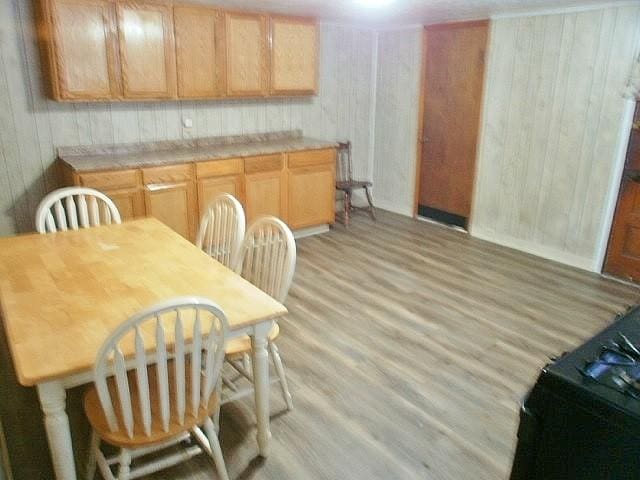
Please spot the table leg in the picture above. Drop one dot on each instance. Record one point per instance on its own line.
(52, 397)
(261, 385)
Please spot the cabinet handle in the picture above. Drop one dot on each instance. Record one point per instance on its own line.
(155, 187)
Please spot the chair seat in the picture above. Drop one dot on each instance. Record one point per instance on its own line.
(98, 421)
(242, 344)
(351, 184)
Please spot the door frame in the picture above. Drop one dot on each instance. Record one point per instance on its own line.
(611, 202)
(421, 112)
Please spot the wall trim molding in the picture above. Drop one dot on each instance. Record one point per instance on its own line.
(550, 253)
(564, 10)
(611, 199)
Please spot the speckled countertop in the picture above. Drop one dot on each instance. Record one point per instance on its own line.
(137, 155)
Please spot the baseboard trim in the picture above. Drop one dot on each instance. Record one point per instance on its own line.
(538, 250)
(310, 231)
(400, 210)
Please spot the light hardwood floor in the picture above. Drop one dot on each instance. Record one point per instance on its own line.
(408, 348)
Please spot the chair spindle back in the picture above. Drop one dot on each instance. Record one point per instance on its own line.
(222, 229)
(71, 208)
(267, 257)
(195, 328)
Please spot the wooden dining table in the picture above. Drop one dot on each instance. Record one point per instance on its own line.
(62, 294)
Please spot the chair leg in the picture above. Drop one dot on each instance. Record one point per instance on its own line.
(346, 208)
(216, 415)
(277, 362)
(216, 451)
(125, 465)
(94, 445)
(246, 362)
(372, 209)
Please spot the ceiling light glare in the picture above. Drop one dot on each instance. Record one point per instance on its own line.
(374, 3)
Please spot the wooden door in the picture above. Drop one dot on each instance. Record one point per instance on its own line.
(84, 59)
(147, 49)
(294, 56)
(265, 187)
(170, 196)
(623, 255)
(247, 56)
(455, 56)
(199, 51)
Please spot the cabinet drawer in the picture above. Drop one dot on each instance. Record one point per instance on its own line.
(311, 157)
(110, 180)
(168, 174)
(219, 168)
(265, 163)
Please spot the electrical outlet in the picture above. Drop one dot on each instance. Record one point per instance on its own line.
(187, 122)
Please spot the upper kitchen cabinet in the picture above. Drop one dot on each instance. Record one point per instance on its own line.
(294, 56)
(147, 51)
(78, 40)
(199, 35)
(247, 57)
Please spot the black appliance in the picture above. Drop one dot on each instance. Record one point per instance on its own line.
(573, 427)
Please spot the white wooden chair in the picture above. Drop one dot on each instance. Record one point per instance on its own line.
(71, 208)
(163, 394)
(267, 258)
(222, 229)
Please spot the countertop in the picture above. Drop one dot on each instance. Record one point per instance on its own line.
(111, 157)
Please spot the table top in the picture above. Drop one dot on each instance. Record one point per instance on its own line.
(62, 294)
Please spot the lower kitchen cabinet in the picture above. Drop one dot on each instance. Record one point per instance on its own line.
(170, 196)
(265, 185)
(297, 187)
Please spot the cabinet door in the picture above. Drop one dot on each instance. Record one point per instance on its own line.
(209, 188)
(170, 197)
(265, 194)
(199, 51)
(311, 195)
(130, 202)
(146, 49)
(122, 186)
(247, 54)
(85, 56)
(294, 56)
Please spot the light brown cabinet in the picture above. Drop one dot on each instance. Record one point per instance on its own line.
(219, 176)
(311, 188)
(157, 50)
(170, 196)
(199, 36)
(79, 47)
(265, 186)
(122, 186)
(146, 49)
(294, 56)
(247, 59)
(297, 187)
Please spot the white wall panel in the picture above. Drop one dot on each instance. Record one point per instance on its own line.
(31, 126)
(396, 120)
(552, 112)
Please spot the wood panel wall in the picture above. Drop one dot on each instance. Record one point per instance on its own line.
(396, 120)
(32, 126)
(552, 114)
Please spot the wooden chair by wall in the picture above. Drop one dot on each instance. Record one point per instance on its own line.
(71, 208)
(222, 229)
(346, 184)
(162, 394)
(267, 258)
